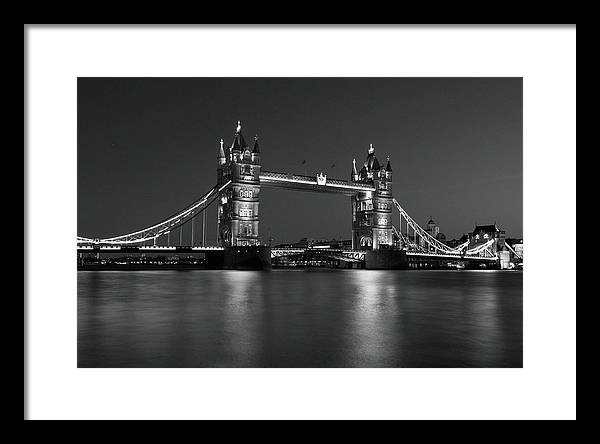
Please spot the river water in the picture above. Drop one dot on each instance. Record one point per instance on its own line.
(296, 318)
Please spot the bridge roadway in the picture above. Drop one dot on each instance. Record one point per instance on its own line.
(360, 254)
(350, 255)
(144, 249)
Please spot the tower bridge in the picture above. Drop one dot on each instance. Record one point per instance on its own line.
(376, 241)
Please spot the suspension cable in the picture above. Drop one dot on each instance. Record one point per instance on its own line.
(164, 227)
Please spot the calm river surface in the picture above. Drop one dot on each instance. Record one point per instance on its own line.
(293, 318)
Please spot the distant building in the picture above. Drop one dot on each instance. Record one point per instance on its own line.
(432, 228)
(453, 243)
(345, 244)
(519, 249)
(512, 241)
(333, 243)
(302, 243)
(484, 233)
(318, 243)
(434, 231)
(516, 244)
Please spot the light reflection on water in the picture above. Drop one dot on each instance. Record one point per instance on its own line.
(241, 316)
(350, 318)
(374, 315)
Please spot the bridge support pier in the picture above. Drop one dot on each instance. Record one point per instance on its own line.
(386, 260)
(214, 260)
(247, 258)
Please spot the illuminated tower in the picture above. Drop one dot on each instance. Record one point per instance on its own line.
(372, 210)
(237, 213)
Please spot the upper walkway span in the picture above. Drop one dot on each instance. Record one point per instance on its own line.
(319, 183)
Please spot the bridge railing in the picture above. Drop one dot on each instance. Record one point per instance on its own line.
(274, 174)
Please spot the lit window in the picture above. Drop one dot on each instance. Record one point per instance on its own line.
(245, 193)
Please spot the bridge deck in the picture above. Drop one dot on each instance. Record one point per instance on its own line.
(448, 256)
(144, 249)
(356, 254)
(360, 254)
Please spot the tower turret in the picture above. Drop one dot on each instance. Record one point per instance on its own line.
(221, 158)
(354, 173)
(388, 169)
(256, 150)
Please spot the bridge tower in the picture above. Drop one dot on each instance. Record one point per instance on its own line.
(372, 211)
(237, 213)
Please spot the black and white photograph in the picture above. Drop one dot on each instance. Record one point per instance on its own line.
(340, 222)
(317, 215)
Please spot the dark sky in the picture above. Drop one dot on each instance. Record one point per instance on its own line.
(147, 147)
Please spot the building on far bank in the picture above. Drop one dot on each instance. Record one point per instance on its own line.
(453, 243)
(432, 228)
(434, 231)
(519, 249)
(345, 244)
(516, 244)
(302, 243)
(484, 233)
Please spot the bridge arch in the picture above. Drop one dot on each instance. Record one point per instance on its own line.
(366, 241)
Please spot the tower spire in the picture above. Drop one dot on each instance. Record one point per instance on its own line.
(388, 167)
(239, 144)
(256, 149)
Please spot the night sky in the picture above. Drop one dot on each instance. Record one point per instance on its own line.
(147, 147)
